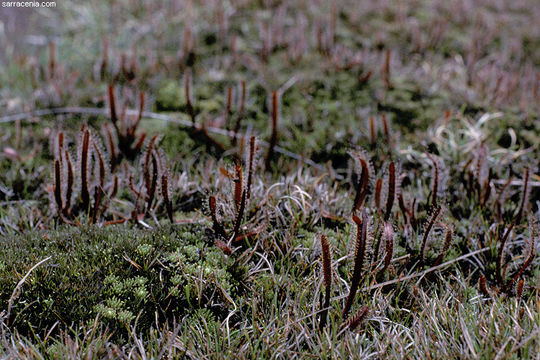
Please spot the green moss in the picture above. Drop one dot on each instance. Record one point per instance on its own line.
(170, 96)
(117, 273)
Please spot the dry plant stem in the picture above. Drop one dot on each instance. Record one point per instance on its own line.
(425, 272)
(274, 136)
(17, 290)
(327, 274)
(427, 230)
(360, 251)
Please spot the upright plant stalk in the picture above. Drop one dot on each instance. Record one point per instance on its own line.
(131, 129)
(524, 197)
(112, 106)
(499, 273)
(52, 61)
(111, 146)
(105, 60)
(69, 188)
(427, 230)
(241, 110)
(153, 184)
(85, 194)
(377, 195)
(372, 131)
(327, 274)
(360, 252)
(218, 228)
(250, 165)
(528, 260)
(361, 186)
(435, 184)
(386, 70)
(274, 136)
(228, 107)
(391, 190)
(487, 188)
(445, 247)
(165, 194)
(98, 190)
(238, 184)
(150, 179)
(239, 216)
(189, 107)
(483, 285)
(58, 186)
(386, 129)
(389, 244)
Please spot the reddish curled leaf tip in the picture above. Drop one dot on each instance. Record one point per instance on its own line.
(357, 319)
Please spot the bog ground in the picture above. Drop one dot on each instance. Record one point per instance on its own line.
(268, 179)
